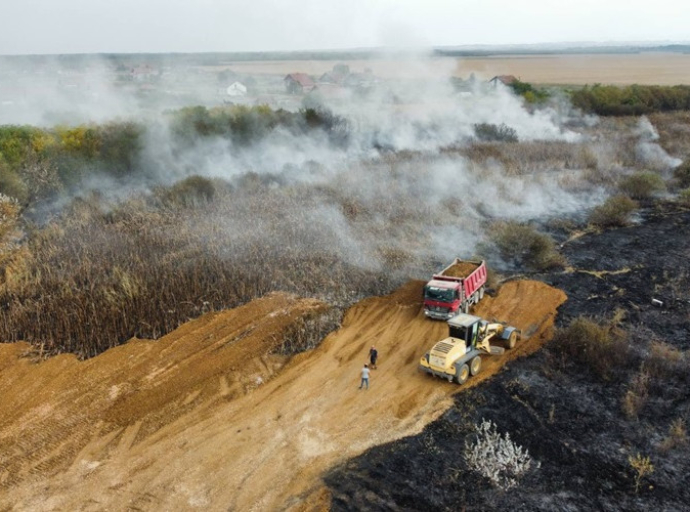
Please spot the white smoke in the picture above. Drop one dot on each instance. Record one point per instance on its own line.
(649, 152)
(406, 189)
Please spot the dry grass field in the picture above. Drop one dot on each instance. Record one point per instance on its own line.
(619, 69)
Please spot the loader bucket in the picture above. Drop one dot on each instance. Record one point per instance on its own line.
(496, 351)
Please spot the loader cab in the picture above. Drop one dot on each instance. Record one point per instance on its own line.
(465, 327)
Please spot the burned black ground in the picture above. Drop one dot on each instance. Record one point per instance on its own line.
(577, 423)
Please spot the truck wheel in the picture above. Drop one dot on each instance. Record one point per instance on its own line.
(512, 339)
(466, 307)
(476, 365)
(481, 293)
(462, 373)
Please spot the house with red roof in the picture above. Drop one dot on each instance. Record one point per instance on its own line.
(504, 79)
(297, 83)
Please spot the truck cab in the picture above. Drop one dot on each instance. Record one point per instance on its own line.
(454, 289)
(442, 299)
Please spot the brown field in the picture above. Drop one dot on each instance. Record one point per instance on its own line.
(620, 69)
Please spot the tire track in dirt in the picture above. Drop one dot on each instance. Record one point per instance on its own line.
(263, 448)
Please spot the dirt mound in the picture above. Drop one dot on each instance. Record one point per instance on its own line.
(207, 418)
(461, 269)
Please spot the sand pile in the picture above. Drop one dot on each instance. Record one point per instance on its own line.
(205, 418)
(462, 269)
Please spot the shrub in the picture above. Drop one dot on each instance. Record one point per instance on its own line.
(677, 435)
(684, 196)
(611, 100)
(682, 174)
(529, 92)
(521, 244)
(493, 132)
(496, 456)
(636, 395)
(642, 185)
(190, 192)
(12, 185)
(42, 178)
(615, 212)
(9, 214)
(601, 347)
(666, 361)
(121, 145)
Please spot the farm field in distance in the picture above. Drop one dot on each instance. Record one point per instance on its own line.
(652, 68)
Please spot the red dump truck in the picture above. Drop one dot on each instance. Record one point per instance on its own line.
(454, 289)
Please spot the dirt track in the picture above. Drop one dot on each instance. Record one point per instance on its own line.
(204, 418)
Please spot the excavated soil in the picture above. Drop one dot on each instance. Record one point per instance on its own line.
(462, 269)
(207, 418)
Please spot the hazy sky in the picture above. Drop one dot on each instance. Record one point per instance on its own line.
(86, 26)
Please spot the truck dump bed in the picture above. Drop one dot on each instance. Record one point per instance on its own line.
(472, 274)
(460, 269)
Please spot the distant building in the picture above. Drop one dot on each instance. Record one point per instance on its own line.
(296, 83)
(325, 91)
(331, 77)
(504, 79)
(336, 76)
(236, 89)
(142, 73)
(364, 80)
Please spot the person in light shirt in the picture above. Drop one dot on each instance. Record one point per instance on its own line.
(365, 377)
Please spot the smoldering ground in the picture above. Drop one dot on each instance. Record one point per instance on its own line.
(349, 196)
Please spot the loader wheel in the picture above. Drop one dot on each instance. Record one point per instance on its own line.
(512, 339)
(475, 365)
(462, 374)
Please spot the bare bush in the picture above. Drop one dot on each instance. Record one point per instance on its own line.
(190, 192)
(493, 132)
(307, 333)
(641, 466)
(637, 394)
(9, 233)
(528, 157)
(677, 436)
(99, 276)
(496, 456)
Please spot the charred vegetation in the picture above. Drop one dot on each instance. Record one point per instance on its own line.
(603, 409)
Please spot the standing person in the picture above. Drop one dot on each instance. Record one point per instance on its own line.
(373, 356)
(365, 377)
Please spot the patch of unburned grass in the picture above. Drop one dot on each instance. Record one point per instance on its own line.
(615, 212)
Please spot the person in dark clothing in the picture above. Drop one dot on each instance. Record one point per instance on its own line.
(373, 356)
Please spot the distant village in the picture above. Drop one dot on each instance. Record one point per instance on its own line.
(158, 86)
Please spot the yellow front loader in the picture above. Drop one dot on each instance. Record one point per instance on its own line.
(459, 355)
